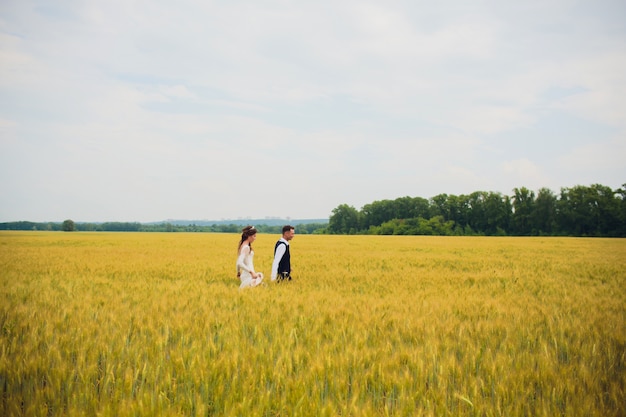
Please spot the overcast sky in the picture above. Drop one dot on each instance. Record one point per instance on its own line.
(125, 110)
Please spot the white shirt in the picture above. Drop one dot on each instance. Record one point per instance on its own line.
(280, 251)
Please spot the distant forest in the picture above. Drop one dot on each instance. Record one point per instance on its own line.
(594, 210)
(71, 226)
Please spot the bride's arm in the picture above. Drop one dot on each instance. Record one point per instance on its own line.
(245, 251)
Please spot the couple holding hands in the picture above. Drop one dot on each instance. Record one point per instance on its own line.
(281, 267)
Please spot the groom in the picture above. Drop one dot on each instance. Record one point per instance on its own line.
(281, 267)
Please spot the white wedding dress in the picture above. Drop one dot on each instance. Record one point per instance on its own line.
(245, 265)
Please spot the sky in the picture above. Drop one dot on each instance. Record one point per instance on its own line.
(126, 110)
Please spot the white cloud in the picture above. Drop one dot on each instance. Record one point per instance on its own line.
(595, 158)
(524, 172)
(603, 78)
(190, 107)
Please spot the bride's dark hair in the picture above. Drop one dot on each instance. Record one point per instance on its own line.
(246, 232)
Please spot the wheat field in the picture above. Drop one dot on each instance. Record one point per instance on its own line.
(144, 324)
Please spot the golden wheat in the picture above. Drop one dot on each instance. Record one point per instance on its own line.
(154, 324)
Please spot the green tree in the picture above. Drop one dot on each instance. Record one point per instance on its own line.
(411, 208)
(543, 216)
(606, 209)
(576, 208)
(498, 211)
(620, 195)
(590, 211)
(68, 226)
(523, 203)
(620, 207)
(478, 212)
(436, 226)
(579, 211)
(378, 212)
(460, 211)
(344, 220)
(440, 206)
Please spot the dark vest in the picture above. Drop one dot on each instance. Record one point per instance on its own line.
(285, 263)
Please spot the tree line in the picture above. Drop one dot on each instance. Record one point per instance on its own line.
(594, 210)
(71, 226)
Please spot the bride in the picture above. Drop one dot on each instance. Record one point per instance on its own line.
(245, 265)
